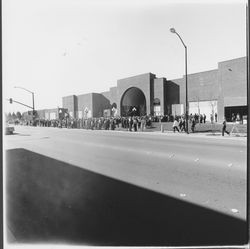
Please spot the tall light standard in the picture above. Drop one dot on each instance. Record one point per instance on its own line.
(33, 100)
(174, 31)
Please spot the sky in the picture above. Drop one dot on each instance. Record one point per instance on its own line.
(57, 48)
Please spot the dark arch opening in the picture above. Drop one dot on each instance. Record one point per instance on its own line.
(133, 103)
(114, 105)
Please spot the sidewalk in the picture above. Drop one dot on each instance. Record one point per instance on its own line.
(155, 131)
(201, 134)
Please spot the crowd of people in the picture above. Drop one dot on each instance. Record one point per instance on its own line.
(179, 123)
(132, 123)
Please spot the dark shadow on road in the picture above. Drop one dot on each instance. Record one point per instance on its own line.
(50, 201)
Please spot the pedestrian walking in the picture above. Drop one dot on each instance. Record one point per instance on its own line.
(182, 124)
(175, 125)
(224, 128)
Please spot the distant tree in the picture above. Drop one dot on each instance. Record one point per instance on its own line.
(19, 115)
(9, 117)
(13, 116)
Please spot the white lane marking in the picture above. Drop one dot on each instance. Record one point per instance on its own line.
(235, 210)
(182, 195)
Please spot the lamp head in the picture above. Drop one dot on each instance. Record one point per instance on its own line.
(172, 30)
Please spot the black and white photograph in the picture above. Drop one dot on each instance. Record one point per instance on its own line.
(125, 123)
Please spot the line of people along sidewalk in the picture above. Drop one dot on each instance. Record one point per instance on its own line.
(129, 123)
(132, 123)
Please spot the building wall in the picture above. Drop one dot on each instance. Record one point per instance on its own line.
(113, 95)
(100, 103)
(226, 85)
(159, 92)
(70, 103)
(142, 82)
(171, 95)
(85, 102)
(48, 114)
(41, 114)
(201, 87)
(106, 94)
(232, 84)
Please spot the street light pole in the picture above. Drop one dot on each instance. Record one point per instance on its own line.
(33, 99)
(174, 31)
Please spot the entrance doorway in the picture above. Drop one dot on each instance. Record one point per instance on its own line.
(231, 113)
(133, 103)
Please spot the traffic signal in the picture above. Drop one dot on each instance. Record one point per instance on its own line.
(10, 100)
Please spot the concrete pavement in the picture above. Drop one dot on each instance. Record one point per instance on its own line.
(200, 172)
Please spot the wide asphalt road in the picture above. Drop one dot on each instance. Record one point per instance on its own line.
(154, 178)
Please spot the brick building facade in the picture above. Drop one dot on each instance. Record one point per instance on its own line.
(216, 92)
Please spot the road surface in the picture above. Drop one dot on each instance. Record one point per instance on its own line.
(199, 171)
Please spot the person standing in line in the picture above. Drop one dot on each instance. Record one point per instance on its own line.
(143, 123)
(204, 118)
(130, 123)
(211, 118)
(175, 125)
(193, 123)
(224, 128)
(135, 124)
(139, 123)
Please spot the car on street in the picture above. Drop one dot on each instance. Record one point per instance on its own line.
(9, 130)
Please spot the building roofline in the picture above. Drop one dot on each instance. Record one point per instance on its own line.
(202, 72)
(151, 74)
(243, 57)
(239, 58)
(69, 95)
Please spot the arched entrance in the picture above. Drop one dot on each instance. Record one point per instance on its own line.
(133, 103)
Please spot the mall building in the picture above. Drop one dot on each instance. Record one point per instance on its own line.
(222, 91)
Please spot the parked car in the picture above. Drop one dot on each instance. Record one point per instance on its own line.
(9, 130)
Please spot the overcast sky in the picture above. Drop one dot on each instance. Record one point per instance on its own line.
(57, 48)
